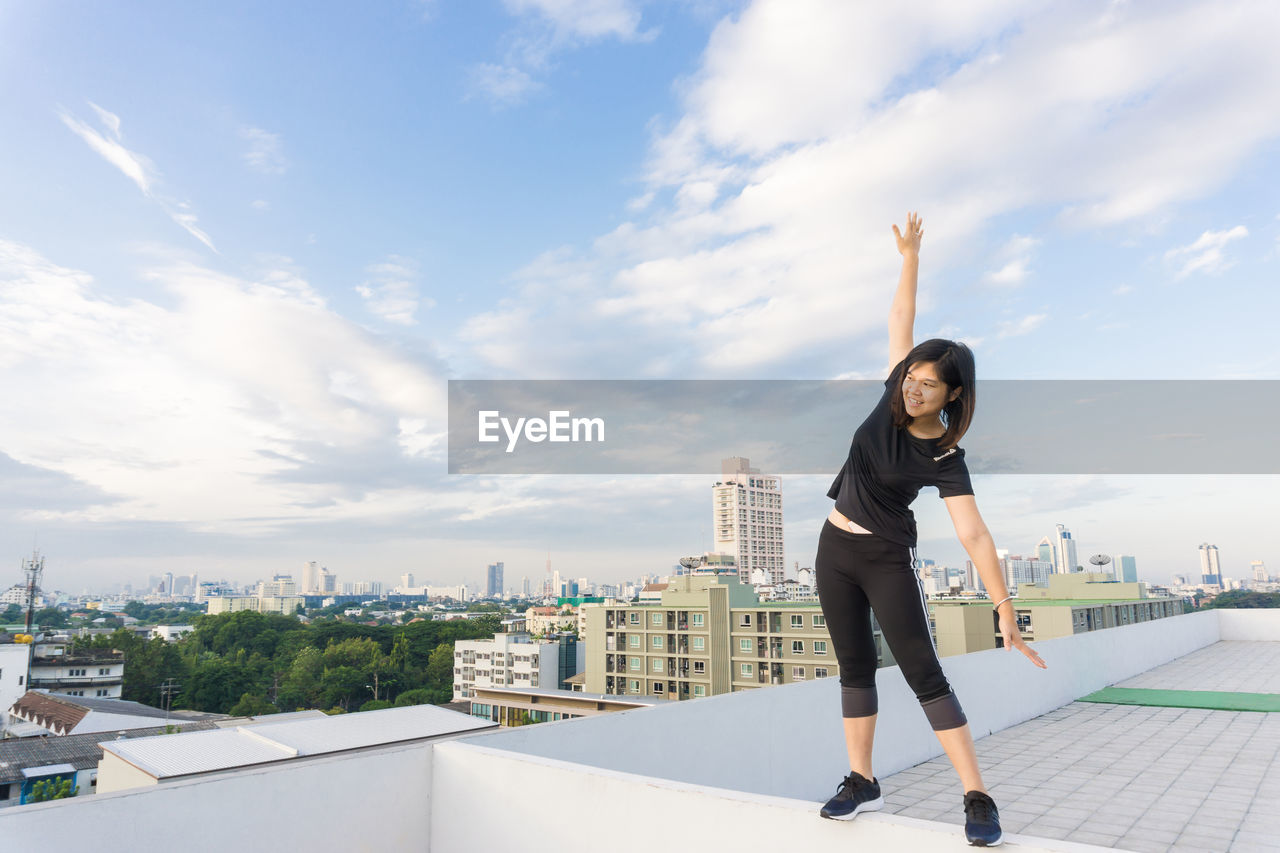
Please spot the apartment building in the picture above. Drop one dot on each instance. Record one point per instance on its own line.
(1068, 604)
(514, 660)
(707, 635)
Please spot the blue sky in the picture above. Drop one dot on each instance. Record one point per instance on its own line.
(244, 246)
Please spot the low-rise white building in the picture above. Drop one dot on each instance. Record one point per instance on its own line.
(514, 660)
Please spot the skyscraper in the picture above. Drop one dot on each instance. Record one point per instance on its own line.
(746, 519)
(1210, 568)
(406, 580)
(1064, 550)
(1126, 568)
(493, 586)
(1259, 571)
(310, 578)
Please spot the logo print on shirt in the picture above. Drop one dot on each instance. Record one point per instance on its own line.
(945, 455)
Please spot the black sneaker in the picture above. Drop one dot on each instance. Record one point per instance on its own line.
(855, 794)
(981, 820)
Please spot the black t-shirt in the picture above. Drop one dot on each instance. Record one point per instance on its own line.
(887, 466)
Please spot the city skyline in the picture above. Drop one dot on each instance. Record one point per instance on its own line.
(235, 274)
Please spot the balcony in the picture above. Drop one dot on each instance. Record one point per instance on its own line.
(38, 681)
(692, 769)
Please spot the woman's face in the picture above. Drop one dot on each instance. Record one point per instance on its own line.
(923, 393)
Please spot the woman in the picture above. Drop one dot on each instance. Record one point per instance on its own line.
(866, 552)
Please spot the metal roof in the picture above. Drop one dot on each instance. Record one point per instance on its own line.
(80, 751)
(47, 770)
(263, 742)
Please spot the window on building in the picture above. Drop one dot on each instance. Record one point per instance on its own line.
(699, 690)
(819, 672)
(635, 664)
(744, 645)
(797, 647)
(656, 642)
(657, 664)
(819, 647)
(655, 618)
(634, 686)
(797, 673)
(746, 670)
(658, 688)
(633, 618)
(699, 667)
(745, 620)
(797, 620)
(102, 670)
(634, 641)
(699, 644)
(696, 620)
(819, 621)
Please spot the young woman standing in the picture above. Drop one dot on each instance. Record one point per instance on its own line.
(867, 551)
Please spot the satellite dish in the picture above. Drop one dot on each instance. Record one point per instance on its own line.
(694, 562)
(1100, 559)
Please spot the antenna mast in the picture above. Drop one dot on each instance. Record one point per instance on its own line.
(32, 570)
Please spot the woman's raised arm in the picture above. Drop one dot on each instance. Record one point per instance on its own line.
(902, 315)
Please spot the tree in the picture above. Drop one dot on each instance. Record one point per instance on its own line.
(56, 788)
(252, 705)
(51, 617)
(1240, 598)
(376, 705)
(419, 696)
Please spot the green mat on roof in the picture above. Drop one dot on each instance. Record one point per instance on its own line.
(1210, 699)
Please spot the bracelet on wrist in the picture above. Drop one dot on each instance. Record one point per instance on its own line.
(996, 606)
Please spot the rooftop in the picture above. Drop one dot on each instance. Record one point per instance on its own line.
(747, 771)
(168, 756)
(1143, 778)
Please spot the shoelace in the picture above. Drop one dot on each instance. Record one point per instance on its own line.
(982, 810)
(848, 784)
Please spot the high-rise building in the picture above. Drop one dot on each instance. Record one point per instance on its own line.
(168, 584)
(525, 587)
(310, 578)
(328, 582)
(406, 580)
(746, 519)
(1259, 571)
(1210, 568)
(1064, 550)
(1126, 568)
(493, 585)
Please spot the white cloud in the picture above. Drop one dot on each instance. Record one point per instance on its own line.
(391, 291)
(134, 166)
(260, 204)
(501, 84)
(265, 152)
(1014, 259)
(1206, 253)
(970, 112)
(584, 19)
(203, 410)
(1024, 326)
(545, 28)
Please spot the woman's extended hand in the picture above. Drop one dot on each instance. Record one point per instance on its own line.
(909, 243)
(1013, 640)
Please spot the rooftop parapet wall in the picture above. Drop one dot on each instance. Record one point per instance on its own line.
(787, 741)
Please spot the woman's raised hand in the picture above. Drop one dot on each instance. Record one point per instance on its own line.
(909, 243)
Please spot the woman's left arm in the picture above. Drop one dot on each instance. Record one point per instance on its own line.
(977, 541)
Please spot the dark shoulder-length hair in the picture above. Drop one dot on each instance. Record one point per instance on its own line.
(954, 364)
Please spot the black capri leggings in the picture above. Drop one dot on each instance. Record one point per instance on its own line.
(857, 573)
